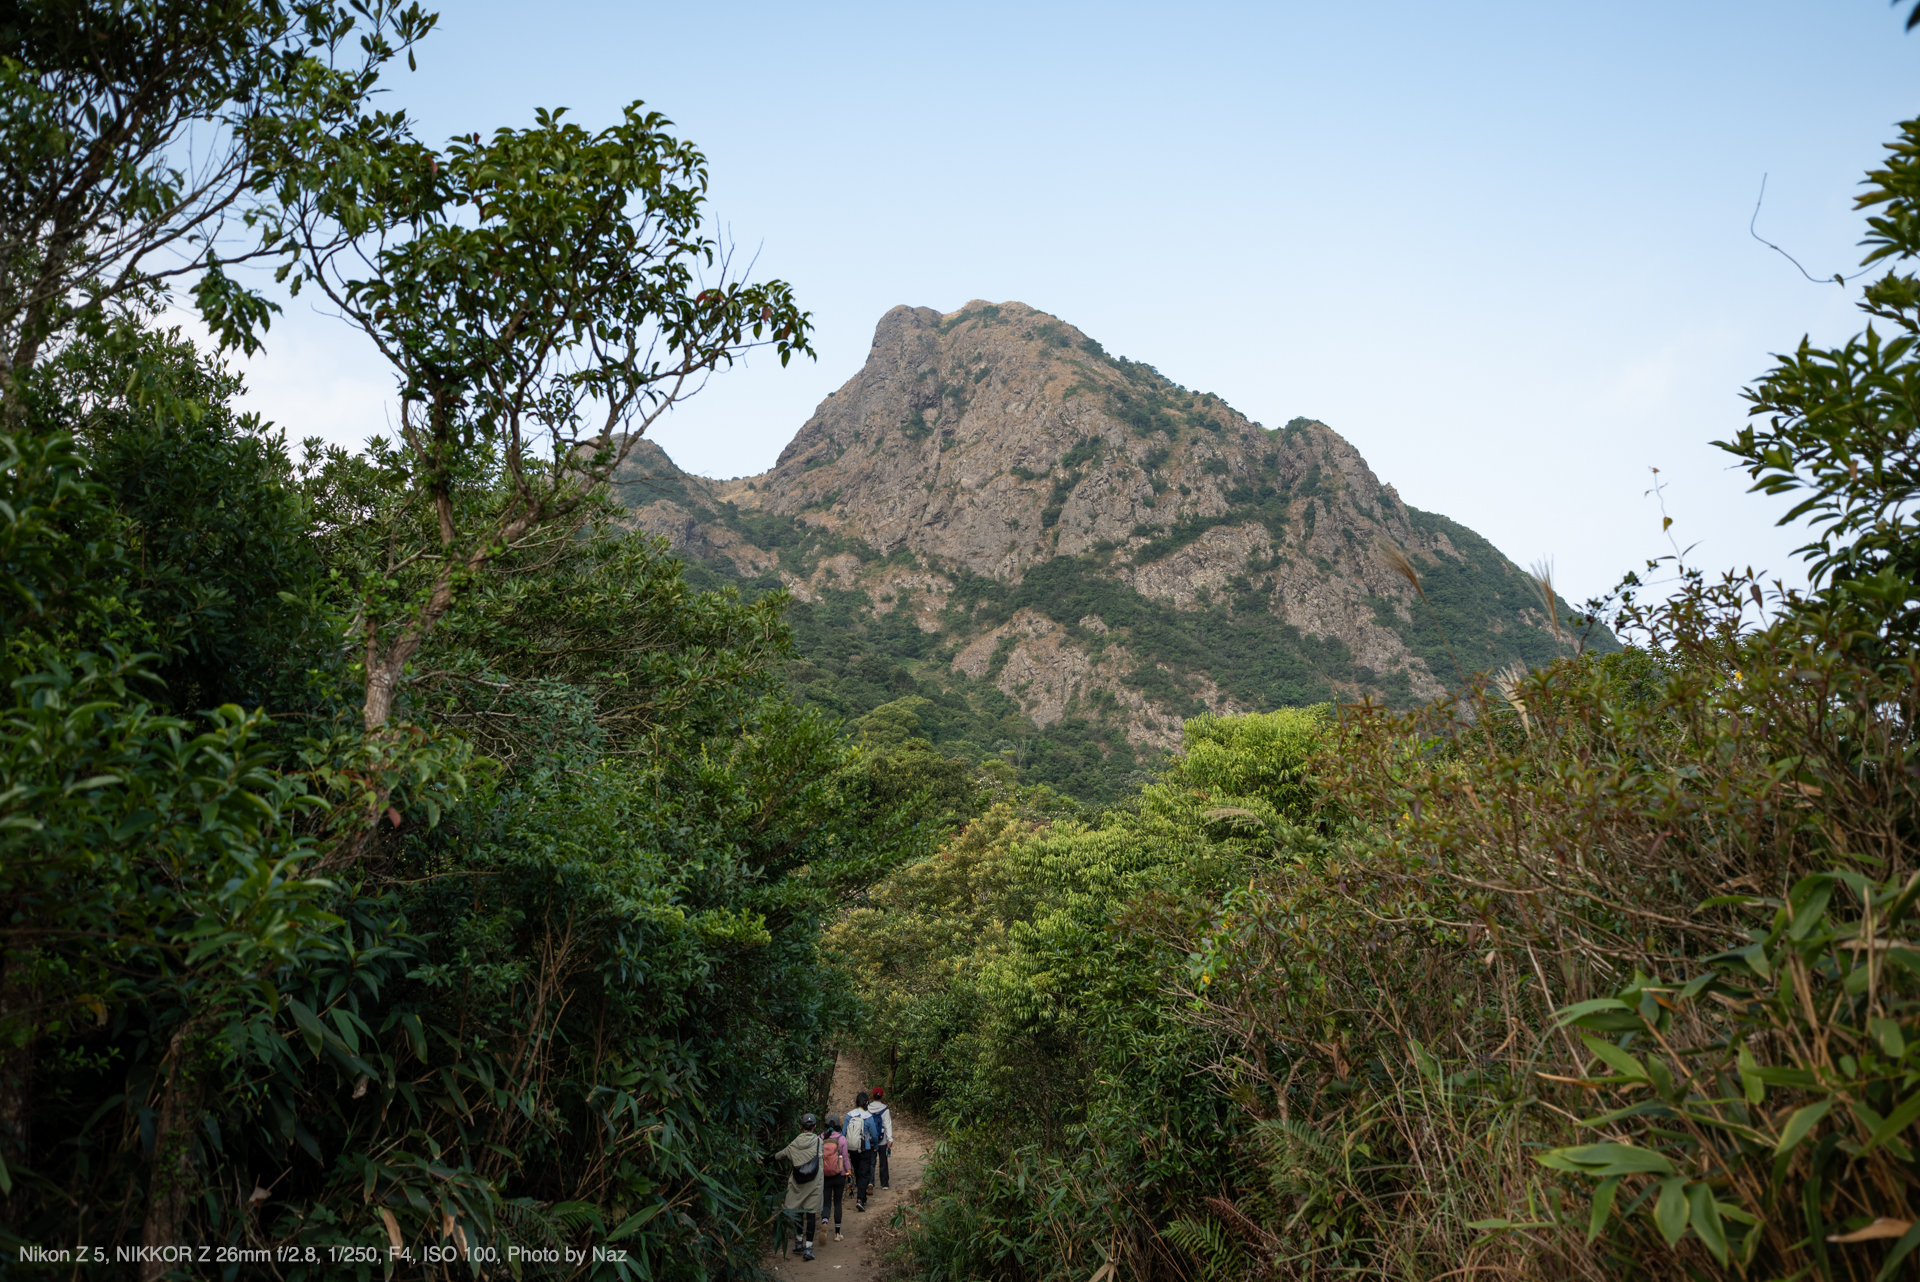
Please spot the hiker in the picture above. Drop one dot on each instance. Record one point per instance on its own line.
(885, 1114)
(836, 1170)
(859, 1144)
(804, 1158)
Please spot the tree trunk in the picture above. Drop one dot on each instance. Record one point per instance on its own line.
(171, 1188)
(385, 670)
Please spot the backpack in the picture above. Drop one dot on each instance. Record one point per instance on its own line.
(803, 1174)
(876, 1131)
(856, 1131)
(836, 1163)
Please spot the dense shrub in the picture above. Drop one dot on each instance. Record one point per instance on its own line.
(1017, 985)
(567, 992)
(1607, 970)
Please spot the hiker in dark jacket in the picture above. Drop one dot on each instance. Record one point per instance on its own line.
(804, 1158)
(885, 1114)
(857, 1144)
(838, 1166)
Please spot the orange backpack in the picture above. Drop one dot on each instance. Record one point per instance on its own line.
(836, 1155)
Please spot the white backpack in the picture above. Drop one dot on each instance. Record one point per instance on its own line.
(856, 1131)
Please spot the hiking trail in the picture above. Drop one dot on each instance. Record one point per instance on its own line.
(867, 1234)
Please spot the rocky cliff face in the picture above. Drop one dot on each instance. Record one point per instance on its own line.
(991, 471)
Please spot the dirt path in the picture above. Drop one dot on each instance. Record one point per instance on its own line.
(858, 1254)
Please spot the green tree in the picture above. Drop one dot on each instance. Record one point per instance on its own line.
(1839, 423)
(573, 1008)
(218, 564)
(144, 859)
(537, 296)
(134, 138)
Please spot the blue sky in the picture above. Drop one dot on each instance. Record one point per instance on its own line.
(1502, 248)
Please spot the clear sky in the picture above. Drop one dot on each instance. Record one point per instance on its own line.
(1502, 248)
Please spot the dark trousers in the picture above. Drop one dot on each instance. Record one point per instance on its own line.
(830, 1199)
(880, 1160)
(797, 1219)
(862, 1175)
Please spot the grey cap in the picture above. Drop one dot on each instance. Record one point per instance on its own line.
(809, 1121)
(833, 1123)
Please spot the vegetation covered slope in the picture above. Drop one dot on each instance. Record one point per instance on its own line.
(1068, 554)
(1608, 971)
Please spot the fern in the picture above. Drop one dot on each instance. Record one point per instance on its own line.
(526, 1223)
(1299, 1158)
(1208, 1242)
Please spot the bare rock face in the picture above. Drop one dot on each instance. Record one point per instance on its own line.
(978, 449)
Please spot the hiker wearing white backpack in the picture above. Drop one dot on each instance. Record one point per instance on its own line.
(861, 1148)
(885, 1114)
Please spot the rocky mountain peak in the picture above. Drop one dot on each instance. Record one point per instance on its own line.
(1056, 515)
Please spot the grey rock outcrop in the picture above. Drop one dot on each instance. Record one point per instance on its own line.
(997, 439)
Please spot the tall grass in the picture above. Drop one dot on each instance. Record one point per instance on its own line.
(1607, 973)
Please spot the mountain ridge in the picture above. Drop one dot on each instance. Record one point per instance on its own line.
(1096, 543)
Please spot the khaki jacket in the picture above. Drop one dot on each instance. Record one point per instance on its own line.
(805, 1147)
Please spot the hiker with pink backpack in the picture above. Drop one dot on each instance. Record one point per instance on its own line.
(839, 1164)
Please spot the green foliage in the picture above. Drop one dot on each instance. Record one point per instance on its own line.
(1086, 451)
(565, 991)
(1483, 607)
(1063, 486)
(218, 558)
(97, 101)
(1186, 530)
(604, 620)
(1604, 970)
(1050, 332)
(1712, 935)
(1016, 980)
(1839, 422)
(856, 661)
(893, 726)
(538, 297)
(987, 315)
(904, 769)
(55, 538)
(553, 1007)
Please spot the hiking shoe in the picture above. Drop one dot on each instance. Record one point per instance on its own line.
(836, 1235)
(806, 1255)
(859, 1206)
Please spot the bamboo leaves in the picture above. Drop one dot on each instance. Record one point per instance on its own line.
(1717, 1162)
